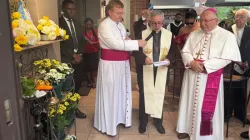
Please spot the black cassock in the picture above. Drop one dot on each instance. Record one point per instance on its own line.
(140, 61)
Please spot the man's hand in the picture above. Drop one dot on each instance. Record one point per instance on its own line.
(142, 43)
(148, 61)
(167, 61)
(77, 58)
(197, 66)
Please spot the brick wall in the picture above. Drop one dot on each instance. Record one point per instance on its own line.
(136, 6)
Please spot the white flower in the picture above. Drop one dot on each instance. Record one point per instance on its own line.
(18, 31)
(42, 71)
(52, 22)
(62, 32)
(23, 24)
(53, 71)
(32, 38)
(52, 28)
(42, 21)
(52, 36)
(45, 30)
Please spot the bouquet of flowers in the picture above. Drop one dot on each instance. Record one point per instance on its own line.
(63, 113)
(53, 70)
(24, 32)
(50, 31)
(45, 65)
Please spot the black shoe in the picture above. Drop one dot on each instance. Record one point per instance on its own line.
(80, 114)
(160, 129)
(244, 135)
(142, 129)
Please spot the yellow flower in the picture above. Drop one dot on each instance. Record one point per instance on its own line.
(47, 24)
(55, 62)
(21, 40)
(17, 48)
(16, 15)
(66, 37)
(66, 103)
(57, 32)
(59, 111)
(73, 98)
(15, 24)
(38, 62)
(40, 27)
(28, 22)
(45, 18)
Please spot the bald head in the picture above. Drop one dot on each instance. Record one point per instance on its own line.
(209, 20)
(241, 18)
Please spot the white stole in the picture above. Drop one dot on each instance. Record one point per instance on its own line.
(154, 95)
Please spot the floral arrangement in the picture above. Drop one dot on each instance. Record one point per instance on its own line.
(28, 87)
(53, 70)
(50, 30)
(24, 32)
(54, 76)
(67, 105)
(43, 85)
(46, 65)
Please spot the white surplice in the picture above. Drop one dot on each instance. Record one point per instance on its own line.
(220, 49)
(113, 103)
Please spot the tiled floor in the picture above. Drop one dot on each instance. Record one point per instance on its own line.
(86, 131)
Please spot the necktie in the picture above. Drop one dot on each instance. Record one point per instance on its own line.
(73, 34)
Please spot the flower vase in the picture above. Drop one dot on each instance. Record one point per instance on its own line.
(68, 83)
(44, 38)
(58, 89)
(70, 117)
(60, 134)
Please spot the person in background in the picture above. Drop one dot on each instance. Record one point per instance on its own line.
(72, 49)
(190, 25)
(91, 56)
(176, 25)
(141, 24)
(242, 34)
(222, 24)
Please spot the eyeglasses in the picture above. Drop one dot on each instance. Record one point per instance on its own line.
(157, 23)
(240, 17)
(207, 21)
(189, 23)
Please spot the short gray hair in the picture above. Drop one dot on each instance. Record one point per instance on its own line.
(156, 13)
(244, 11)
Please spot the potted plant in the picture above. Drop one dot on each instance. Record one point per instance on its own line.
(71, 102)
(28, 87)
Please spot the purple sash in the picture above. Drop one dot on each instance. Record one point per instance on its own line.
(209, 102)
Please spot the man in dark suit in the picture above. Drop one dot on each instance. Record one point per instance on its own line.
(141, 24)
(142, 59)
(242, 34)
(72, 49)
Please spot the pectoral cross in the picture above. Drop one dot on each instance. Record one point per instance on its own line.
(198, 54)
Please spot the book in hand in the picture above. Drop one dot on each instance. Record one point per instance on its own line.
(161, 63)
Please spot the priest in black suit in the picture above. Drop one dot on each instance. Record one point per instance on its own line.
(242, 34)
(152, 79)
(72, 49)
